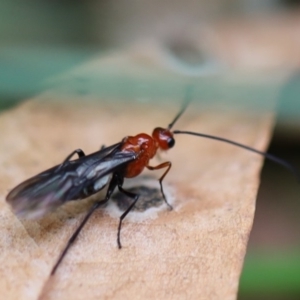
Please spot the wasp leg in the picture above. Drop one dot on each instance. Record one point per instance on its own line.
(112, 185)
(77, 151)
(167, 165)
(135, 198)
(102, 147)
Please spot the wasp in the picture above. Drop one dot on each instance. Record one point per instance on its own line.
(88, 174)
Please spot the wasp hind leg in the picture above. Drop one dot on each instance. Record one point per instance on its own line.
(111, 187)
(80, 154)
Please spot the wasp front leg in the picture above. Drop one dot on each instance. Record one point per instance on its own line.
(167, 165)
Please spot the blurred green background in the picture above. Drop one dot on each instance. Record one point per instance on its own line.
(40, 40)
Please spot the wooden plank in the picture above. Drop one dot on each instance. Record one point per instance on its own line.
(195, 251)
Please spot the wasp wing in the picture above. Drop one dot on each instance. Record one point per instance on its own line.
(76, 179)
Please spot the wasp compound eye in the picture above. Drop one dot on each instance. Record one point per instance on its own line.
(171, 142)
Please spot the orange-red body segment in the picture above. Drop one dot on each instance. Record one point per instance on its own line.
(145, 147)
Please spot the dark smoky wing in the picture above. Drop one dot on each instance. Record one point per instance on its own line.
(76, 179)
(87, 160)
(38, 195)
(93, 175)
(93, 178)
(49, 179)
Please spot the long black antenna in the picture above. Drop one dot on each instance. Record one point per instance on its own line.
(271, 157)
(188, 99)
